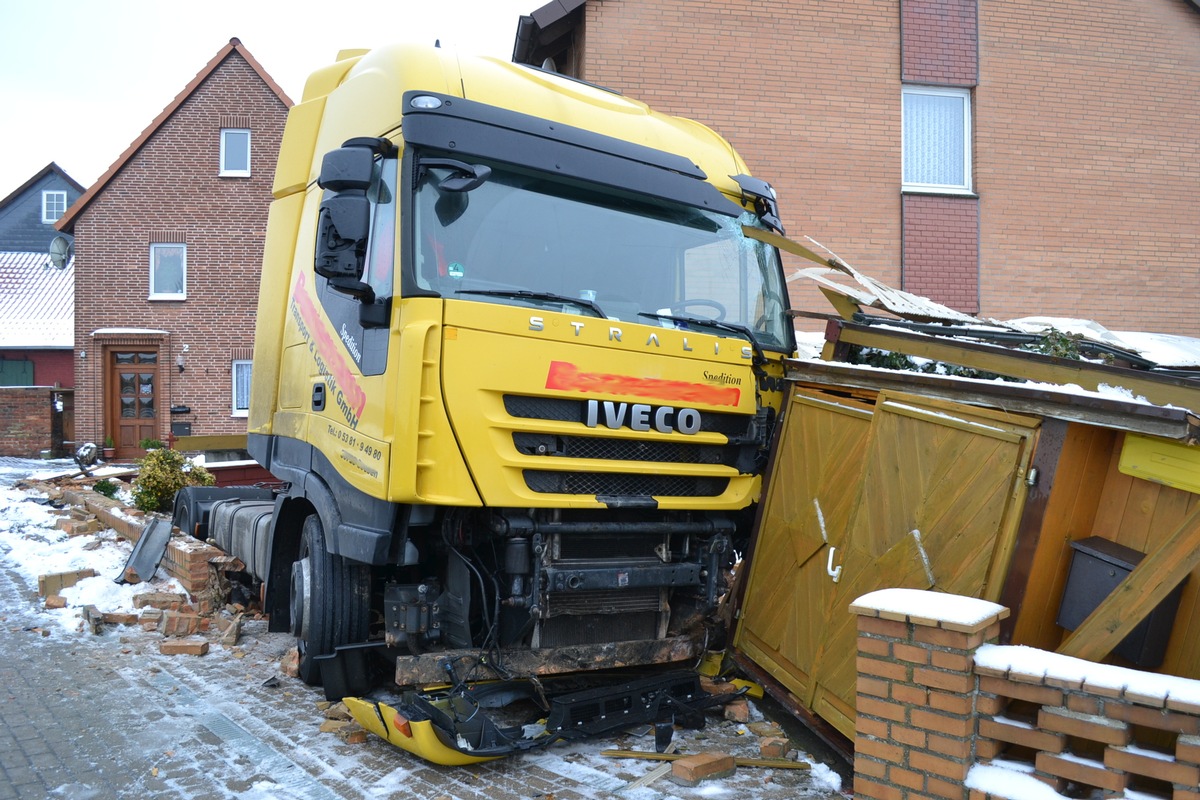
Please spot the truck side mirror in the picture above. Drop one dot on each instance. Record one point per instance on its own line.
(345, 215)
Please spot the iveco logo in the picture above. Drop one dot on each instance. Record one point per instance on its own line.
(641, 417)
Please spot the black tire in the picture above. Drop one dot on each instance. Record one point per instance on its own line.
(330, 604)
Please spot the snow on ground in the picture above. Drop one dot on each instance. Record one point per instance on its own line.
(266, 745)
(30, 542)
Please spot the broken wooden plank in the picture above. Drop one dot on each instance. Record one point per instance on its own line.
(1136, 596)
(1157, 388)
(653, 775)
(768, 763)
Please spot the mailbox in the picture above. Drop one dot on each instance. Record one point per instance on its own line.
(1097, 567)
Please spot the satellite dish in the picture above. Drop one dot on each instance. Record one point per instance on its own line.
(60, 251)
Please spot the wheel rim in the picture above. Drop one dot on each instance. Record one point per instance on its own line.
(301, 598)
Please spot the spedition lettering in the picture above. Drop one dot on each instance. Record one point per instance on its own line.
(641, 417)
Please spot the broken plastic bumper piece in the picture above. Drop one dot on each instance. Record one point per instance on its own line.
(451, 726)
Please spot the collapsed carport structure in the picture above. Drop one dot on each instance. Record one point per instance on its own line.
(1067, 493)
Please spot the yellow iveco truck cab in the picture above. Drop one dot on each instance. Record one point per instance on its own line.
(517, 364)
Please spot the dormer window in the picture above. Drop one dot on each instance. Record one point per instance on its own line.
(54, 205)
(235, 152)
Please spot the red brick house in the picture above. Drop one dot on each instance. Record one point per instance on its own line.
(168, 249)
(1010, 158)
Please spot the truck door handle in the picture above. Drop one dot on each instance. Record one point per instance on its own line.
(836, 574)
(318, 397)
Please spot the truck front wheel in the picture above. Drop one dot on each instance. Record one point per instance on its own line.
(330, 600)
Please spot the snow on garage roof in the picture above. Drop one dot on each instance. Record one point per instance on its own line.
(37, 302)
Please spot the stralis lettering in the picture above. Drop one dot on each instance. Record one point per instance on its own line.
(538, 324)
(642, 417)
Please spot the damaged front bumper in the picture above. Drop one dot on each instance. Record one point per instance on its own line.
(451, 726)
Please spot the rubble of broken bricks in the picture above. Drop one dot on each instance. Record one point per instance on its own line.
(188, 621)
(185, 619)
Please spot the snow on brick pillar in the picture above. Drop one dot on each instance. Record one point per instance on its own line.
(918, 702)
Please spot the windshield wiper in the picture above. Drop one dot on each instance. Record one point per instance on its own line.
(721, 325)
(541, 297)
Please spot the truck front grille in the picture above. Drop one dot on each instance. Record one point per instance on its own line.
(600, 445)
(537, 444)
(639, 485)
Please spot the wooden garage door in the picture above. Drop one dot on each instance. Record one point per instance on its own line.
(935, 494)
(807, 512)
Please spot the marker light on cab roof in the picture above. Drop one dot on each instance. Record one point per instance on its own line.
(426, 101)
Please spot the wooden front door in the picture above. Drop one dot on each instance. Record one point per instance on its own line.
(133, 401)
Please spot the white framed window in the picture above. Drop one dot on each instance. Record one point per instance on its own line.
(937, 139)
(168, 272)
(235, 152)
(241, 388)
(54, 205)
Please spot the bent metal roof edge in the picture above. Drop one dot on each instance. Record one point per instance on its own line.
(67, 221)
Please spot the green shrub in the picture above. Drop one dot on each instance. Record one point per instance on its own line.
(151, 444)
(106, 487)
(161, 474)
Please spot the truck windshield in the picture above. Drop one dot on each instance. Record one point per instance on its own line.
(526, 239)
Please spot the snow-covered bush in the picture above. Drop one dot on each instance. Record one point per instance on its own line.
(161, 474)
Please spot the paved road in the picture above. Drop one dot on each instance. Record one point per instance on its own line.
(107, 716)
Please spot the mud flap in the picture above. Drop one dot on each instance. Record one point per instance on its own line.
(352, 669)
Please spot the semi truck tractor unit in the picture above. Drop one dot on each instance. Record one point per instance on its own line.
(516, 367)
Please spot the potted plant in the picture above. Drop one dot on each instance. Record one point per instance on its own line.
(110, 450)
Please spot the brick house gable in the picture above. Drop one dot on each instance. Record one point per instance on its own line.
(145, 366)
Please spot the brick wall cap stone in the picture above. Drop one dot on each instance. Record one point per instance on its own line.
(931, 609)
(1028, 665)
(1187, 706)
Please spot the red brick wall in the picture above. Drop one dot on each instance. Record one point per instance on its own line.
(26, 421)
(171, 186)
(53, 367)
(1085, 152)
(939, 41)
(1088, 161)
(940, 233)
(941, 249)
(807, 92)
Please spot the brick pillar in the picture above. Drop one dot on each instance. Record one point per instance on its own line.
(918, 696)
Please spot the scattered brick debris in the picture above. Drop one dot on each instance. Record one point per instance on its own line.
(774, 747)
(738, 710)
(186, 647)
(690, 770)
(57, 581)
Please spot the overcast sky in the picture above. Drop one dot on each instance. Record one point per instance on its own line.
(81, 79)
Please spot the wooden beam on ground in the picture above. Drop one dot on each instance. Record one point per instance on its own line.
(769, 763)
(1136, 596)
